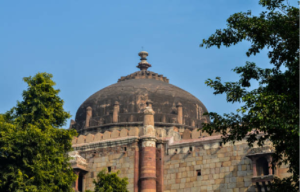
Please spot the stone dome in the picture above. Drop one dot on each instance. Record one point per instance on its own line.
(123, 103)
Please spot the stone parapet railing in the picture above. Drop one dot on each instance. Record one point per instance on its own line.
(178, 134)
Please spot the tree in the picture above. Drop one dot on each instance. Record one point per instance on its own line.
(33, 149)
(110, 182)
(272, 108)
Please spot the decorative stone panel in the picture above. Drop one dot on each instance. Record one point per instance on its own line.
(89, 138)
(106, 135)
(134, 131)
(195, 134)
(160, 132)
(81, 139)
(124, 133)
(115, 134)
(186, 134)
(98, 137)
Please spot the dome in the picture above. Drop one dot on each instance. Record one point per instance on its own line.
(127, 99)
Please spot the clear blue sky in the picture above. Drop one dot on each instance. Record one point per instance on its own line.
(88, 45)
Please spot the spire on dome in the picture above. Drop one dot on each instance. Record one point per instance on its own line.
(143, 65)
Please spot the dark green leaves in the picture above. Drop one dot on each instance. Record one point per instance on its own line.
(32, 147)
(272, 108)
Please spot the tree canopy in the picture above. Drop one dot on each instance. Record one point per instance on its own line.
(33, 149)
(110, 182)
(272, 107)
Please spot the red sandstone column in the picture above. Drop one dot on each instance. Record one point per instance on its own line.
(136, 169)
(159, 167)
(148, 152)
(270, 165)
(76, 182)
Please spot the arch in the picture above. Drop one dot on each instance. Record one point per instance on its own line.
(262, 166)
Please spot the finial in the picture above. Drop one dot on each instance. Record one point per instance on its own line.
(143, 65)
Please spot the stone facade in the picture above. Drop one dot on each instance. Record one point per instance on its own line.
(187, 165)
(119, 156)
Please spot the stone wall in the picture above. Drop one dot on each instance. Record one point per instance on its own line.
(114, 157)
(223, 168)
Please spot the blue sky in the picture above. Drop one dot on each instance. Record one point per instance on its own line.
(88, 45)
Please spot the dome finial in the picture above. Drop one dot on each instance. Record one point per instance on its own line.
(143, 65)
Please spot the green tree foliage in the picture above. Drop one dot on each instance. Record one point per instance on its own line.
(110, 182)
(33, 149)
(272, 108)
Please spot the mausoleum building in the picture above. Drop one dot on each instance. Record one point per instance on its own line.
(150, 130)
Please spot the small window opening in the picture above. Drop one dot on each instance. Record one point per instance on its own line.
(109, 169)
(262, 166)
(125, 148)
(191, 148)
(198, 172)
(80, 182)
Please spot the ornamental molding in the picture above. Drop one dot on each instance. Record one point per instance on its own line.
(106, 143)
(77, 161)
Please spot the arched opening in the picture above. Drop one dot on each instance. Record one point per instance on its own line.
(80, 182)
(262, 166)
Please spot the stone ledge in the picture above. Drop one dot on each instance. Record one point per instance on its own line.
(137, 123)
(264, 178)
(106, 143)
(200, 141)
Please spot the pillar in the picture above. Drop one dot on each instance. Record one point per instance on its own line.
(148, 152)
(159, 167)
(136, 169)
(200, 113)
(254, 166)
(179, 113)
(163, 119)
(270, 165)
(76, 182)
(193, 123)
(88, 116)
(116, 112)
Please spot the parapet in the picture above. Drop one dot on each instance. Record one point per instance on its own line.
(115, 134)
(182, 134)
(144, 75)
